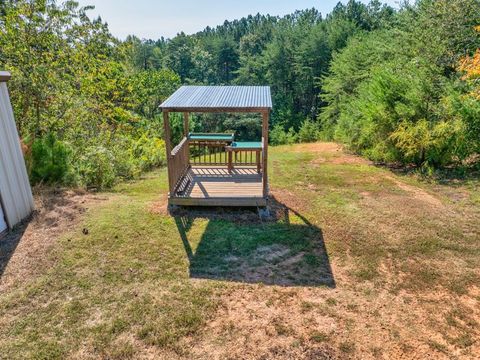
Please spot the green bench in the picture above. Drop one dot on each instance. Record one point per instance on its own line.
(247, 145)
(228, 138)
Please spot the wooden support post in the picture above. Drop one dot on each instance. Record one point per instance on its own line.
(186, 132)
(168, 148)
(230, 161)
(258, 156)
(186, 123)
(265, 121)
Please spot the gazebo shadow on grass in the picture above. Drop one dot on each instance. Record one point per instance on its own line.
(236, 245)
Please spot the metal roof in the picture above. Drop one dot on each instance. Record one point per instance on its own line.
(205, 98)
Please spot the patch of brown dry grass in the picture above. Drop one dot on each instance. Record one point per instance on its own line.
(24, 252)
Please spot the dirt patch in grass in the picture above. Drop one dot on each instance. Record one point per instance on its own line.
(332, 153)
(418, 193)
(160, 207)
(282, 200)
(25, 251)
(260, 322)
(350, 159)
(320, 147)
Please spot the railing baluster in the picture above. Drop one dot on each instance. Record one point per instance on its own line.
(215, 154)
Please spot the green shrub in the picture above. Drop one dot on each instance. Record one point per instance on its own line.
(309, 131)
(49, 161)
(428, 144)
(383, 152)
(149, 152)
(468, 109)
(125, 158)
(124, 163)
(97, 168)
(278, 136)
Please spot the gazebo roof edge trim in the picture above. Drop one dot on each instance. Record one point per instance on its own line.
(219, 98)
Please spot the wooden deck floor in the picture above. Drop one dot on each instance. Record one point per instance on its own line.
(215, 186)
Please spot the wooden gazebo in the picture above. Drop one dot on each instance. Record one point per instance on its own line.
(207, 169)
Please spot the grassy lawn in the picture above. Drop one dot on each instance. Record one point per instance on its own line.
(356, 262)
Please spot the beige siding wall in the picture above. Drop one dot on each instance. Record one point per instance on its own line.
(15, 191)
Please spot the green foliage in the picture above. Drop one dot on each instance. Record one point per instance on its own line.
(309, 131)
(424, 144)
(97, 168)
(291, 54)
(466, 108)
(73, 83)
(125, 159)
(245, 127)
(393, 94)
(148, 152)
(100, 167)
(278, 136)
(150, 88)
(49, 161)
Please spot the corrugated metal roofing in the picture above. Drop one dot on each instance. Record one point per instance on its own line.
(220, 97)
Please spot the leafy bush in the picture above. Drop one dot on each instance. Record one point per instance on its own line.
(124, 164)
(149, 152)
(309, 131)
(430, 145)
(49, 162)
(278, 136)
(94, 166)
(97, 168)
(467, 108)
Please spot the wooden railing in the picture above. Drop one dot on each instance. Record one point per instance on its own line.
(214, 154)
(205, 153)
(246, 158)
(179, 163)
(200, 153)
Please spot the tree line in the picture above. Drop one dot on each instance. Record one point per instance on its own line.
(85, 114)
(395, 85)
(389, 83)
